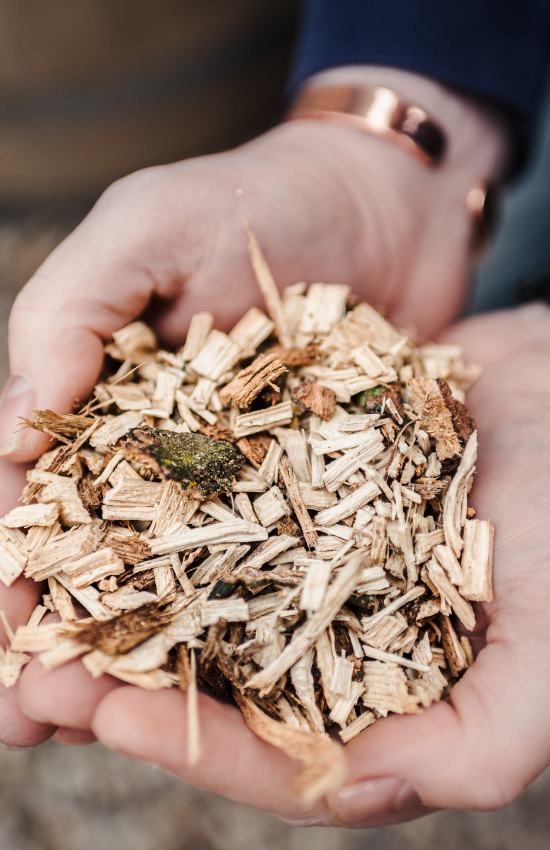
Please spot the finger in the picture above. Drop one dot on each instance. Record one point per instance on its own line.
(491, 338)
(12, 481)
(74, 737)
(16, 730)
(66, 697)
(95, 282)
(235, 763)
(17, 602)
(478, 752)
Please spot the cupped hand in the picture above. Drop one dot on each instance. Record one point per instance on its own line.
(480, 750)
(327, 202)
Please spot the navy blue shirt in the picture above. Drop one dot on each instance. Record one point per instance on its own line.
(498, 49)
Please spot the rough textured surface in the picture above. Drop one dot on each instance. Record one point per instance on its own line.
(196, 460)
(82, 798)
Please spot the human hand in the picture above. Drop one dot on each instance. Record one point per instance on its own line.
(477, 752)
(327, 202)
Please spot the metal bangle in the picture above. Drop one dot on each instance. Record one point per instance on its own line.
(376, 110)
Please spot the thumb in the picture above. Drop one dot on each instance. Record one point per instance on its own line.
(478, 752)
(90, 286)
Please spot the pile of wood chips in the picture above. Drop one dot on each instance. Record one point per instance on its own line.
(311, 570)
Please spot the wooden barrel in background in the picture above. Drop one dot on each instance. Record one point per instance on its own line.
(91, 90)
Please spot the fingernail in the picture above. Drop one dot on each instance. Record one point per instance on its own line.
(374, 798)
(17, 400)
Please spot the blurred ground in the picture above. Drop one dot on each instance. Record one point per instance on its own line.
(64, 798)
(85, 798)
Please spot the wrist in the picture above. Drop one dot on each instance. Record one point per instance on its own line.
(478, 143)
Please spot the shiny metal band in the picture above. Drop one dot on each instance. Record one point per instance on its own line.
(376, 110)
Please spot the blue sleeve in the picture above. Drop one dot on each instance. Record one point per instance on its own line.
(495, 48)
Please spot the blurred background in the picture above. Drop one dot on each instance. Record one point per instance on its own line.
(92, 90)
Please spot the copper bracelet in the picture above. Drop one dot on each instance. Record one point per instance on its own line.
(376, 110)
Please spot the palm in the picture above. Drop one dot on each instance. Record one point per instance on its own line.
(326, 203)
(481, 750)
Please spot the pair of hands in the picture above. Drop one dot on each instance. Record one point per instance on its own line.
(326, 203)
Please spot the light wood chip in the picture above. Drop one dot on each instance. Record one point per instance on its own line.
(268, 288)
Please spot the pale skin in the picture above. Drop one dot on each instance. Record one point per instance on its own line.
(327, 203)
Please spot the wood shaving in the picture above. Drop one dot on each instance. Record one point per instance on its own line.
(322, 592)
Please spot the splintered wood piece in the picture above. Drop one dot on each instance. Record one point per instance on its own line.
(339, 471)
(339, 591)
(269, 466)
(324, 307)
(342, 676)
(349, 504)
(295, 445)
(435, 418)
(61, 600)
(135, 341)
(115, 428)
(288, 476)
(41, 515)
(364, 720)
(301, 677)
(11, 664)
(270, 507)
(448, 591)
(391, 657)
(414, 593)
(317, 499)
(312, 396)
(164, 396)
(63, 491)
(344, 705)
(174, 507)
(128, 397)
(12, 558)
(62, 549)
(126, 599)
(454, 506)
(268, 550)
(323, 759)
(315, 585)
(385, 631)
(126, 544)
(217, 356)
(477, 561)
(89, 597)
(244, 507)
(132, 500)
(223, 532)
(386, 689)
(450, 564)
(37, 638)
(252, 329)
(263, 420)
(454, 651)
(268, 288)
(61, 426)
(249, 382)
(199, 328)
(92, 568)
(369, 362)
(232, 610)
(218, 563)
(193, 729)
